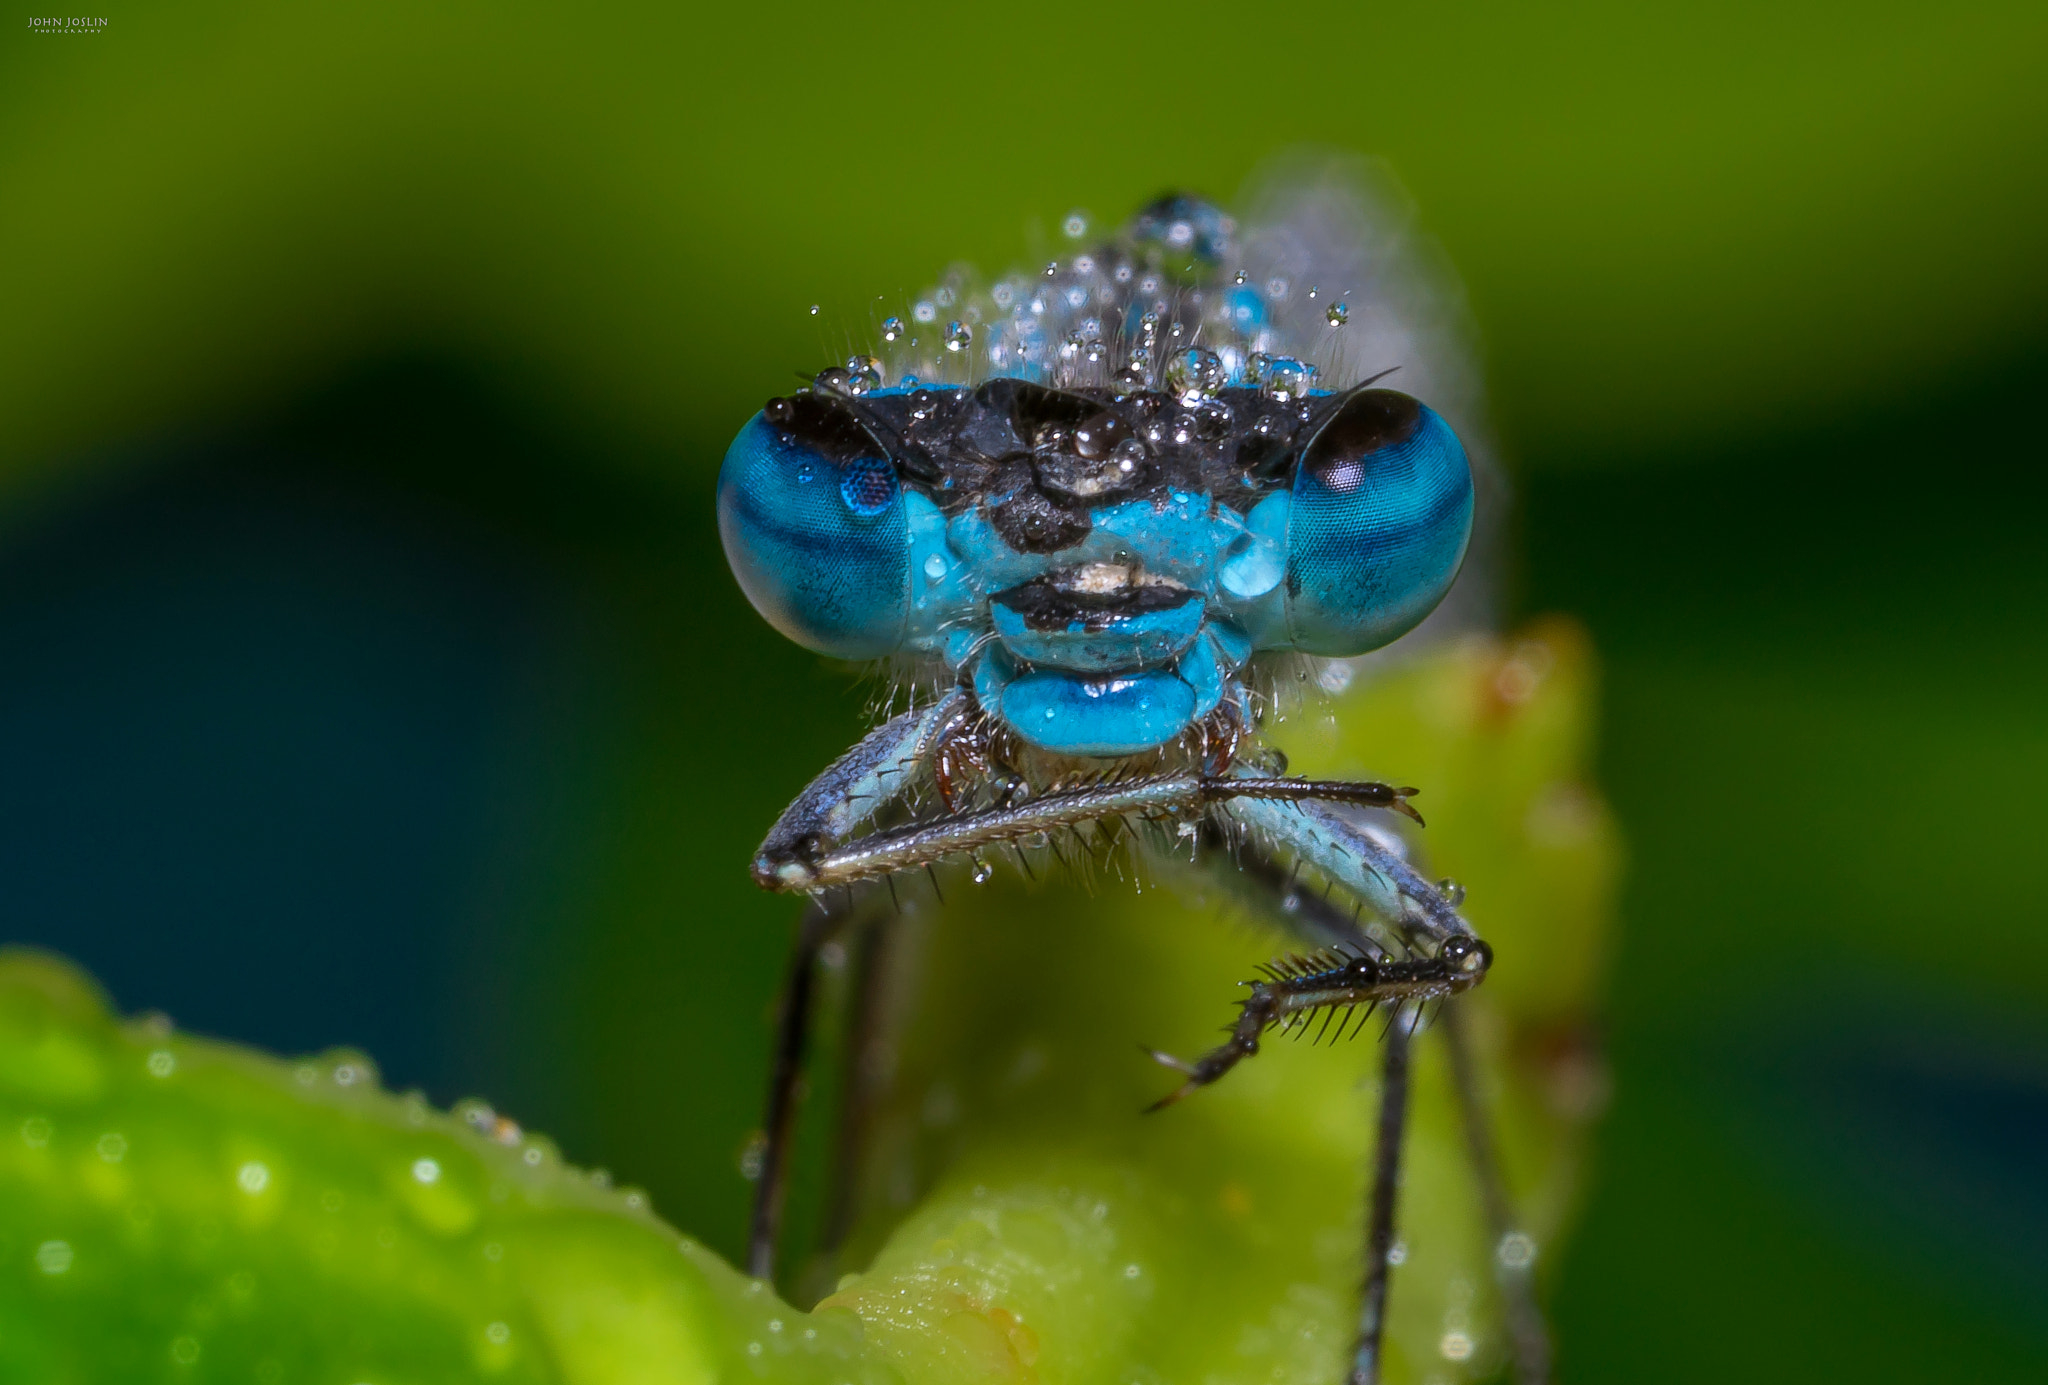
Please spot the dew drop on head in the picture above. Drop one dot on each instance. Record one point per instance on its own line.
(863, 373)
(1194, 372)
(1337, 315)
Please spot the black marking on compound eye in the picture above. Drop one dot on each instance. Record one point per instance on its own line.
(1050, 603)
(1365, 422)
(826, 426)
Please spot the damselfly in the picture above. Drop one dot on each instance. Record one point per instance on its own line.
(1090, 516)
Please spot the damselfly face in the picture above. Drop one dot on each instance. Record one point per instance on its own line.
(1100, 536)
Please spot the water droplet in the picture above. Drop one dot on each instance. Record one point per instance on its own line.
(347, 1074)
(1397, 1253)
(1284, 379)
(1076, 225)
(1517, 1251)
(934, 567)
(863, 373)
(1455, 1346)
(184, 1350)
(982, 871)
(112, 1146)
(1194, 372)
(958, 334)
(162, 1063)
(253, 1177)
(1132, 1271)
(805, 471)
(1337, 315)
(1313, 290)
(53, 1257)
(1129, 455)
(1239, 277)
(426, 1171)
(892, 328)
(1052, 269)
(497, 1334)
(1130, 379)
(814, 310)
(493, 1251)
(1451, 890)
(753, 1348)
(754, 1156)
(922, 311)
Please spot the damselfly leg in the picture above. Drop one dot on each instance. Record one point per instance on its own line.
(1399, 948)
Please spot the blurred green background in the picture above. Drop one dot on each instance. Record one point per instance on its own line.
(369, 671)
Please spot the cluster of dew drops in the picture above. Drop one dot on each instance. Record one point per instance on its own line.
(1167, 305)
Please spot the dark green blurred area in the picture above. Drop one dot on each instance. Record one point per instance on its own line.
(372, 674)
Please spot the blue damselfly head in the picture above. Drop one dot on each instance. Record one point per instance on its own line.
(1100, 544)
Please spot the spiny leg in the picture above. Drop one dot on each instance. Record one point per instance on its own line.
(1323, 832)
(1386, 1178)
(865, 1071)
(1528, 1337)
(793, 861)
(888, 765)
(1411, 907)
(821, 921)
(1329, 982)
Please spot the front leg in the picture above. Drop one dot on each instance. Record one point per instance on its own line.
(888, 765)
(1356, 970)
(1324, 835)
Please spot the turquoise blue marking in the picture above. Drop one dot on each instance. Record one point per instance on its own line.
(1104, 716)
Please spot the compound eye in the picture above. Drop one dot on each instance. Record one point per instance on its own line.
(1380, 516)
(811, 513)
